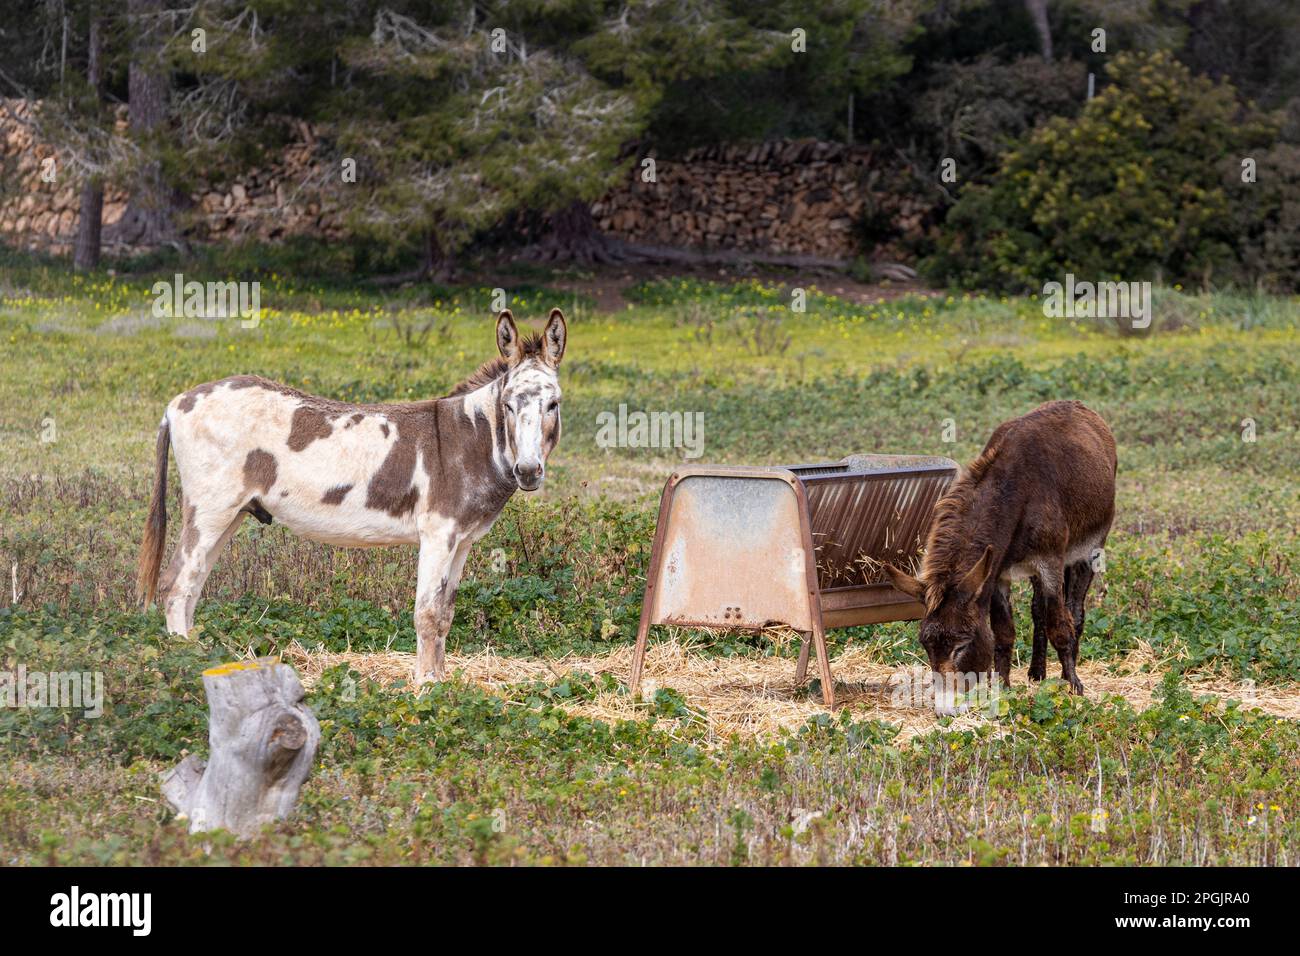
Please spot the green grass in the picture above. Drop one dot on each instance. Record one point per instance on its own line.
(457, 775)
(1203, 567)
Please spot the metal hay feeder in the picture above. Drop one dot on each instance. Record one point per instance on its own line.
(745, 548)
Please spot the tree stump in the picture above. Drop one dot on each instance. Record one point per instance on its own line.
(262, 741)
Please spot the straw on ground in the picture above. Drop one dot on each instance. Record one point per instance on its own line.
(757, 696)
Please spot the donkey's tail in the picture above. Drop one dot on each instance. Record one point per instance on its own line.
(155, 528)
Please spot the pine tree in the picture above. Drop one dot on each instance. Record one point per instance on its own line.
(456, 124)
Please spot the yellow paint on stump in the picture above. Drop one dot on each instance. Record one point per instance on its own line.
(221, 670)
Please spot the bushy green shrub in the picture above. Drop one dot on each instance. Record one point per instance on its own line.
(1139, 186)
(972, 111)
(1268, 220)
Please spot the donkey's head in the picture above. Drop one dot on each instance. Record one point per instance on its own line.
(530, 396)
(955, 631)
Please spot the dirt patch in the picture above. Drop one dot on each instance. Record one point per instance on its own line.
(757, 697)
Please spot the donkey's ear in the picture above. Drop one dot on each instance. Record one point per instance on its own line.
(974, 580)
(913, 587)
(554, 338)
(508, 337)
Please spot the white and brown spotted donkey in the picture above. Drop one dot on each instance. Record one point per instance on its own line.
(434, 473)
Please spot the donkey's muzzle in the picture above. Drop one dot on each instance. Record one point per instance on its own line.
(529, 476)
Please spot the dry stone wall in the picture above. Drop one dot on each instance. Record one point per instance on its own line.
(784, 198)
(272, 202)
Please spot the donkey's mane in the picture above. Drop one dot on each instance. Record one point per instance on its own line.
(493, 369)
(949, 536)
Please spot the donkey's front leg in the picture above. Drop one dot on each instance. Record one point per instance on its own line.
(1003, 622)
(435, 597)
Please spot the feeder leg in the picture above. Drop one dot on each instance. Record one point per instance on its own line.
(647, 602)
(824, 661)
(801, 672)
(638, 657)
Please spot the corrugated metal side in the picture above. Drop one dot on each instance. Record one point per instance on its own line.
(862, 520)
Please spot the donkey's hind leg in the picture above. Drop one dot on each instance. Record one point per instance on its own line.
(203, 535)
(1059, 623)
(1078, 578)
(1038, 610)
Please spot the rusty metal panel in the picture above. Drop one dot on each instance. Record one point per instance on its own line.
(733, 552)
(867, 604)
(869, 510)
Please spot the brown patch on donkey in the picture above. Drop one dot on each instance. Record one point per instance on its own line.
(1037, 503)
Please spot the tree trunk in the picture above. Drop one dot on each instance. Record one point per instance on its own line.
(439, 264)
(570, 235)
(148, 219)
(90, 218)
(1038, 13)
(262, 742)
(90, 226)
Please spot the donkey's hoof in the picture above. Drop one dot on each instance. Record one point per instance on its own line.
(1076, 686)
(1037, 672)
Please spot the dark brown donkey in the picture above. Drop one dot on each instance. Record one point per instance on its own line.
(1037, 503)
